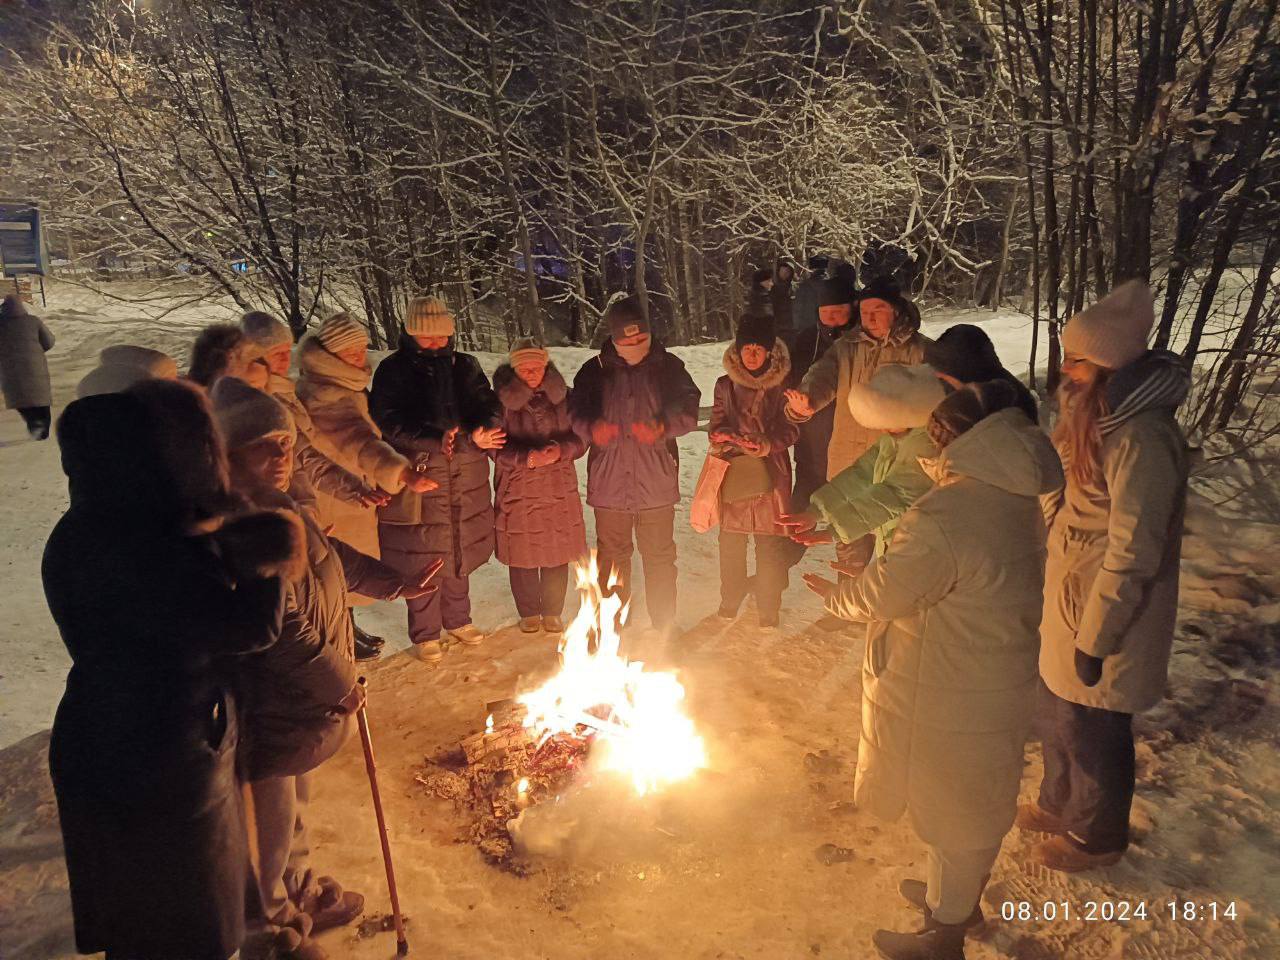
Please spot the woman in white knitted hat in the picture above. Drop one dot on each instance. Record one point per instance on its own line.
(1111, 584)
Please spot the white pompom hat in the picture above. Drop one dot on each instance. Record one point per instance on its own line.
(897, 397)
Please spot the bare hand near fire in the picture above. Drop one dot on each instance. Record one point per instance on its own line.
(846, 569)
(545, 456)
(813, 538)
(372, 497)
(820, 585)
(799, 403)
(421, 585)
(489, 438)
(418, 483)
(798, 523)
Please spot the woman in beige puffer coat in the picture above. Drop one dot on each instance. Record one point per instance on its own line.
(1111, 587)
(332, 385)
(949, 674)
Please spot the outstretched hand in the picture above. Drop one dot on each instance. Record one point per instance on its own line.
(371, 497)
(796, 523)
(489, 438)
(812, 538)
(544, 456)
(820, 585)
(799, 403)
(604, 433)
(420, 585)
(648, 431)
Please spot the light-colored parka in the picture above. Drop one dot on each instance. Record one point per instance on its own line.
(334, 393)
(1111, 585)
(953, 610)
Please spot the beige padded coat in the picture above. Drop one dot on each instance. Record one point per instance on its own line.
(953, 610)
(853, 359)
(334, 394)
(1111, 586)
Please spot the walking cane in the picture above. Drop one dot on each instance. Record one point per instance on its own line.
(402, 942)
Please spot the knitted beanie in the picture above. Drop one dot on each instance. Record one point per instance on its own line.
(245, 414)
(1113, 332)
(265, 330)
(964, 352)
(833, 293)
(625, 318)
(341, 332)
(884, 288)
(897, 397)
(965, 408)
(755, 329)
(528, 350)
(428, 317)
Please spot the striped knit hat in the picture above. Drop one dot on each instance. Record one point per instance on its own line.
(428, 317)
(528, 350)
(341, 332)
(265, 330)
(1113, 332)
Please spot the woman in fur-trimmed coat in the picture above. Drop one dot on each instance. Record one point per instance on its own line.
(539, 512)
(748, 419)
(158, 594)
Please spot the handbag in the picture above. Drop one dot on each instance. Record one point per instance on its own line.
(704, 510)
(746, 477)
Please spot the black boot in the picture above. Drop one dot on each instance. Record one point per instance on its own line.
(368, 647)
(939, 941)
(913, 891)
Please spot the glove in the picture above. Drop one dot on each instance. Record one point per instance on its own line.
(649, 432)
(604, 433)
(1088, 669)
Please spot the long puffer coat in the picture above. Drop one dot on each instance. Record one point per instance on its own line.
(1111, 586)
(334, 393)
(143, 754)
(949, 674)
(853, 358)
(24, 371)
(319, 474)
(627, 474)
(754, 406)
(539, 512)
(417, 397)
(873, 494)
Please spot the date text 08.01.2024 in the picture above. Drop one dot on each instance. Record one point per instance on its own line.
(1115, 911)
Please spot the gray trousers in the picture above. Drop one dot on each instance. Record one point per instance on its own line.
(284, 848)
(956, 879)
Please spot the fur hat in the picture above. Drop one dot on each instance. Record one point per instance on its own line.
(528, 350)
(757, 330)
(121, 366)
(1113, 332)
(966, 353)
(625, 318)
(429, 317)
(832, 293)
(886, 288)
(965, 408)
(341, 332)
(265, 330)
(218, 347)
(245, 414)
(898, 397)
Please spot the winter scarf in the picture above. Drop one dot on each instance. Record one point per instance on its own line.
(436, 368)
(1159, 378)
(774, 372)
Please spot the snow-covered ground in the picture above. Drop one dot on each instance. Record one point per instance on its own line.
(728, 865)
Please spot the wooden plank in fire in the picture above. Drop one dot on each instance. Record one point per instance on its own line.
(506, 732)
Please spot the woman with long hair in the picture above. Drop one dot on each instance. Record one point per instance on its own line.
(1111, 582)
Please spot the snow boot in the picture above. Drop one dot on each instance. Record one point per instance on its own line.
(768, 624)
(530, 624)
(1035, 819)
(428, 651)
(553, 624)
(1059, 853)
(332, 906)
(467, 634)
(941, 941)
(913, 891)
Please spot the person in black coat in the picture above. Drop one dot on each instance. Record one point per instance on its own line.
(804, 308)
(781, 296)
(964, 354)
(158, 590)
(833, 318)
(760, 296)
(436, 407)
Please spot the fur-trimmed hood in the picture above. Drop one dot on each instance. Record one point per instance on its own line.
(515, 394)
(263, 543)
(320, 366)
(776, 374)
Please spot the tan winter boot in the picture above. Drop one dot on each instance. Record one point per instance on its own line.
(529, 625)
(467, 634)
(429, 651)
(1059, 853)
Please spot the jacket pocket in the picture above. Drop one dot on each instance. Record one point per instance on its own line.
(877, 651)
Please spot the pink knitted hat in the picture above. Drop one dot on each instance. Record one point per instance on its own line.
(1113, 332)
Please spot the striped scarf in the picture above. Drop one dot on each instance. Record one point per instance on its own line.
(1158, 379)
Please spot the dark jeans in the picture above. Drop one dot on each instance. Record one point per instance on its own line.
(540, 591)
(654, 533)
(773, 555)
(448, 607)
(37, 420)
(1088, 771)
